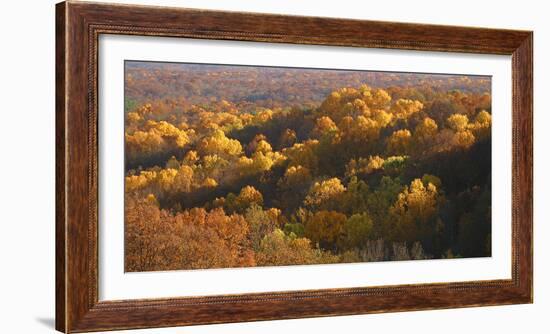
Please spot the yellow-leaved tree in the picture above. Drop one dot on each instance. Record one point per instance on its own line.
(321, 192)
(399, 142)
(325, 228)
(415, 211)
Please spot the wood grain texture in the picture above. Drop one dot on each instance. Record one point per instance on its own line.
(60, 98)
(78, 26)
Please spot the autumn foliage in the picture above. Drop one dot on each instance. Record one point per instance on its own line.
(231, 166)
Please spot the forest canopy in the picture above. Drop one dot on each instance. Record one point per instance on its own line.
(238, 166)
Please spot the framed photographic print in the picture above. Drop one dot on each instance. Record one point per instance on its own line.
(222, 166)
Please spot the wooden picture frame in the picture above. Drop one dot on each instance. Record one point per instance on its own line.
(78, 26)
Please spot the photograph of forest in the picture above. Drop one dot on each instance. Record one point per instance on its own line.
(239, 166)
